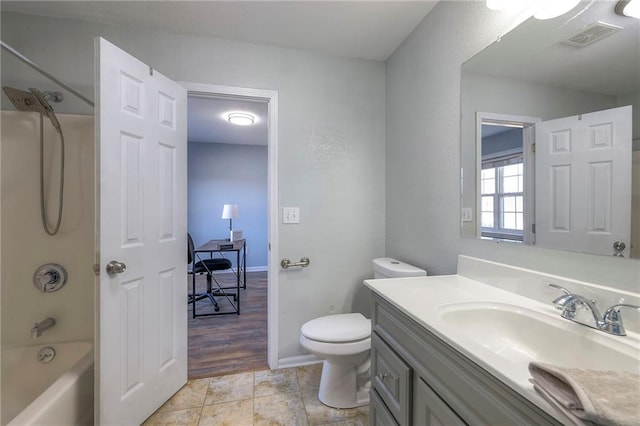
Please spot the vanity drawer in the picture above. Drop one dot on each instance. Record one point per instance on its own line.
(391, 379)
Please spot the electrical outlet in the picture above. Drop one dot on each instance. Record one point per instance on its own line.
(291, 215)
(467, 214)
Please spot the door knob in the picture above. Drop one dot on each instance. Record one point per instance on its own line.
(115, 267)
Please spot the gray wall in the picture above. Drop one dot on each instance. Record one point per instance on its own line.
(331, 144)
(423, 153)
(221, 174)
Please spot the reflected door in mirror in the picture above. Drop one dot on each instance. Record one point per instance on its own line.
(581, 204)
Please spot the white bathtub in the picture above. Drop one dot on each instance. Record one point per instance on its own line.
(57, 393)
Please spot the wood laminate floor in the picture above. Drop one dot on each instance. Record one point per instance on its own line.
(224, 344)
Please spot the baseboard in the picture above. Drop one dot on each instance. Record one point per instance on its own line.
(298, 361)
(249, 269)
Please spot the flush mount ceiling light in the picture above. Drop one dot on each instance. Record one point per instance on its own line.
(549, 9)
(241, 118)
(630, 8)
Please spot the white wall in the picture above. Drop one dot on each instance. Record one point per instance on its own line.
(331, 144)
(423, 153)
(221, 174)
(25, 246)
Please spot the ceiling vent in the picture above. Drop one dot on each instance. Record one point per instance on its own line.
(594, 32)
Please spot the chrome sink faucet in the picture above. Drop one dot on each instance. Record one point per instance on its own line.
(41, 327)
(613, 321)
(570, 304)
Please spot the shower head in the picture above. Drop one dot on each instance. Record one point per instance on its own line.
(35, 101)
(24, 101)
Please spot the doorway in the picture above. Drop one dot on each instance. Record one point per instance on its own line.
(505, 175)
(228, 169)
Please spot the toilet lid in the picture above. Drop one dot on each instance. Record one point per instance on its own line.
(337, 328)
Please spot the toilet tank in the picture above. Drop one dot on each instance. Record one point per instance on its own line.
(388, 267)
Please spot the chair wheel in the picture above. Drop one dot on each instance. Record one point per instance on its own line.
(217, 308)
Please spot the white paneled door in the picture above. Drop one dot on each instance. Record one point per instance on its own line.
(141, 331)
(583, 182)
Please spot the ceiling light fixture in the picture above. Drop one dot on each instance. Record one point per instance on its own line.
(630, 8)
(241, 118)
(497, 4)
(549, 9)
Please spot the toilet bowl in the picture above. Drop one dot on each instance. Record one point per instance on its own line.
(343, 342)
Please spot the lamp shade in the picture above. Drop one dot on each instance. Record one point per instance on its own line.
(230, 211)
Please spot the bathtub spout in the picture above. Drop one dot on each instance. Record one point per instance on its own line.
(41, 327)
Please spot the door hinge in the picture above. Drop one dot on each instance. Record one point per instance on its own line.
(150, 71)
(533, 228)
(533, 147)
(96, 268)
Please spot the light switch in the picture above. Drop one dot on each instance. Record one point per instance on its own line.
(467, 214)
(291, 215)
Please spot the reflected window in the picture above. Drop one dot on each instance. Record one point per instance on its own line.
(502, 204)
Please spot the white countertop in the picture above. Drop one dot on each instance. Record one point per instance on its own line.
(426, 299)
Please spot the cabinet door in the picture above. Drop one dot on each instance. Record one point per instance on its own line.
(380, 416)
(391, 378)
(429, 409)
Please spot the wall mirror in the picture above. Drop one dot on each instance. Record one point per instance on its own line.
(550, 134)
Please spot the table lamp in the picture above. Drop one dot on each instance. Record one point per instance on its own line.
(230, 211)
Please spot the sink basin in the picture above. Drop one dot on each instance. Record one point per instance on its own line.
(522, 335)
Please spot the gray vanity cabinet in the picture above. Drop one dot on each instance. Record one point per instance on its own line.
(419, 379)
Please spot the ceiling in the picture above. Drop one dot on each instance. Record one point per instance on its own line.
(206, 121)
(357, 29)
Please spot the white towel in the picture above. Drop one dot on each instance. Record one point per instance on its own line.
(590, 397)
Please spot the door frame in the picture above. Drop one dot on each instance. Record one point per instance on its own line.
(271, 98)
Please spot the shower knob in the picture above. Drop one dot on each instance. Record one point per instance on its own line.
(50, 277)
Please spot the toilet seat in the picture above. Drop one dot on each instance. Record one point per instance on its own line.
(326, 349)
(341, 328)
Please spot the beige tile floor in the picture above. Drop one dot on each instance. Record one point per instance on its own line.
(270, 397)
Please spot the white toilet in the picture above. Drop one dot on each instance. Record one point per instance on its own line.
(343, 341)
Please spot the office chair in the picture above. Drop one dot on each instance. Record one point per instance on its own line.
(206, 266)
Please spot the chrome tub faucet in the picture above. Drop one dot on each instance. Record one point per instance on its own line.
(572, 305)
(41, 327)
